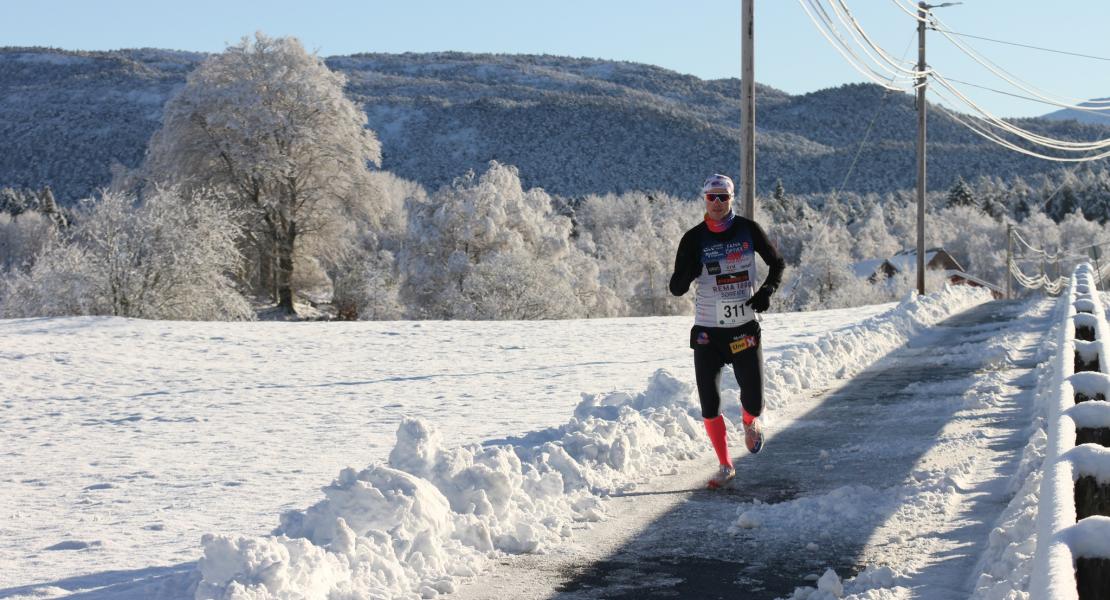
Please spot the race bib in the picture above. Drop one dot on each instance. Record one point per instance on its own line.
(733, 312)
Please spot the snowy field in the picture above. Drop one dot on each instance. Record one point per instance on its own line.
(125, 441)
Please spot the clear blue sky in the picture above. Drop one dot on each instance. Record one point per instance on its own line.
(699, 37)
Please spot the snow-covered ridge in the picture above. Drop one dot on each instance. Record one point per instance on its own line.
(1062, 538)
(434, 515)
(416, 102)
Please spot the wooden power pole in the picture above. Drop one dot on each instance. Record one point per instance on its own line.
(747, 108)
(922, 12)
(922, 17)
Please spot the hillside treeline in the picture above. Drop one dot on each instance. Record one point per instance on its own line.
(265, 191)
(574, 127)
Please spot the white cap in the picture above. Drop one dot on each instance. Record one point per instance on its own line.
(717, 184)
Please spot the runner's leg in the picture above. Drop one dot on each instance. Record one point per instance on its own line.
(707, 372)
(747, 365)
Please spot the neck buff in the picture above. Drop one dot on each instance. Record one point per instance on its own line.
(719, 226)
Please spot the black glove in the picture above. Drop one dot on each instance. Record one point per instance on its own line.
(761, 299)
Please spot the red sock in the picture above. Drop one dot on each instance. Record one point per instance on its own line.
(747, 418)
(716, 430)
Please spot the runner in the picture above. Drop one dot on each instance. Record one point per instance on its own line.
(719, 254)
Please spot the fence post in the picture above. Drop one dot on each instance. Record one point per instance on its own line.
(1009, 259)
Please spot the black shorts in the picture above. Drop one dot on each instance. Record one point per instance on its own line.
(741, 347)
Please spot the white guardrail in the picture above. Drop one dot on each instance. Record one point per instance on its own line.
(1073, 517)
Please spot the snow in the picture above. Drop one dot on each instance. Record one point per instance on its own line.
(139, 437)
(518, 499)
(1032, 549)
(866, 268)
(1089, 538)
(1090, 460)
(1093, 415)
(474, 443)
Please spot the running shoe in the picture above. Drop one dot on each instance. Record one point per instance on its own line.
(753, 436)
(723, 476)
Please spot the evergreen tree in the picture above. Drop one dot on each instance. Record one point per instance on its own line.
(49, 207)
(993, 208)
(783, 207)
(960, 194)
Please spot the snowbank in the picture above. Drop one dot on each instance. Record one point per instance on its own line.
(434, 515)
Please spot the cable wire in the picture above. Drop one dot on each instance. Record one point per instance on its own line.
(1013, 79)
(1056, 144)
(992, 121)
(1095, 112)
(843, 48)
(979, 37)
(912, 13)
(845, 16)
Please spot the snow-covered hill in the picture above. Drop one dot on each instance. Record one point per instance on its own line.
(1100, 117)
(572, 126)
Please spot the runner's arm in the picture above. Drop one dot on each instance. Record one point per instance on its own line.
(770, 255)
(686, 266)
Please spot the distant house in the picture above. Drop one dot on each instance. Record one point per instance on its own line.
(936, 259)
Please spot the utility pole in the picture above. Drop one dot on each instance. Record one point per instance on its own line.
(747, 107)
(922, 12)
(922, 15)
(1009, 258)
(1095, 253)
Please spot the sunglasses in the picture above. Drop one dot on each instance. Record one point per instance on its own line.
(718, 197)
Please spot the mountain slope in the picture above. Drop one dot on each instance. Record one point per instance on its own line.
(573, 126)
(1083, 116)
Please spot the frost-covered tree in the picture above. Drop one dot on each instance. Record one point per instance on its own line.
(270, 123)
(975, 239)
(873, 238)
(960, 194)
(485, 248)
(49, 207)
(22, 238)
(633, 237)
(12, 202)
(166, 257)
(359, 256)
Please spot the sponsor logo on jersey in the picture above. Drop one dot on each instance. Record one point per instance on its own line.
(732, 278)
(713, 268)
(742, 344)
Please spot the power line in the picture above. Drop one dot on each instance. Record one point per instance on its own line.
(984, 123)
(1023, 97)
(1015, 81)
(993, 137)
(1030, 136)
(827, 28)
(867, 134)
(979, 37)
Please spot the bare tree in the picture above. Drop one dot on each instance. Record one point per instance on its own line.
(269, 122)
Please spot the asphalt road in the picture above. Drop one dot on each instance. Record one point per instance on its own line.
(667, 540)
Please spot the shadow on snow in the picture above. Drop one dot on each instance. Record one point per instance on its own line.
(876, 431)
